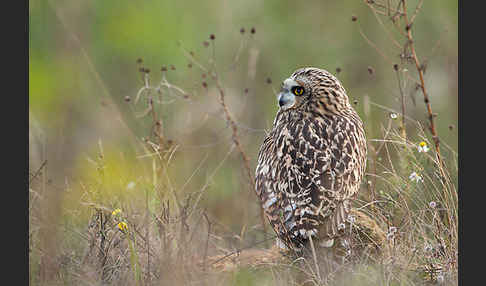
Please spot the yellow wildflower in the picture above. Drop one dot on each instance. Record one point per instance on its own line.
(123, 226)
(116, 211)
(423, 147)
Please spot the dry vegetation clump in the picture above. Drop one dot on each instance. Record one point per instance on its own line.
(156, 231)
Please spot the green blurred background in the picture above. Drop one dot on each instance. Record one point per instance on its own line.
(82, 65)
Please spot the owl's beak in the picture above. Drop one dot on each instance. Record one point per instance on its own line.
(286, 100)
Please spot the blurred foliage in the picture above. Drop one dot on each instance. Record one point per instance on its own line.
(83, 54)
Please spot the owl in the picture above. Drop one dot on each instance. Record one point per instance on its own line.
(311, 163)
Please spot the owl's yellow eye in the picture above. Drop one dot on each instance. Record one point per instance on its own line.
(298, 90)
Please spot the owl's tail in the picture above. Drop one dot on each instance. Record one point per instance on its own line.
(336, 224)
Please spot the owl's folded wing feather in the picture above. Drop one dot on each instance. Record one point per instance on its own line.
(306, 173)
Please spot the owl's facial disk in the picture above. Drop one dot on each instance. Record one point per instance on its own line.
(290, 94)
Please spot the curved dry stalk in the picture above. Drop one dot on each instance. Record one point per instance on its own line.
(431, 115)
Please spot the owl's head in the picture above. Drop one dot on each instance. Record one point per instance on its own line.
(315, 90)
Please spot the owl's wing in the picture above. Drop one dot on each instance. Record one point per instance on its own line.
(340, 172)
(268, 185)
(306, 172)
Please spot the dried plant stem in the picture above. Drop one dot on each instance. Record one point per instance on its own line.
(402, 101)
(431, 116)
(207, 241)
(147, 234)
(234, 129)
(314, 256)
(373, 44)
(38, 171)
(237, 143)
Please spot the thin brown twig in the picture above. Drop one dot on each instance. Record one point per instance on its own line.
(417, 9)
(207, 240)
(38, 171)
(431, 116)
(234, 129)
(386, 30)
(373, 44)
(402, 101)
(237, 143)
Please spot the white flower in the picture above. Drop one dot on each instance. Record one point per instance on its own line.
(422, 147)
(351, 219)
(341, 226)
(415, 177)
(393, 115)
(440, 278)
(432, 204)
(131, 185)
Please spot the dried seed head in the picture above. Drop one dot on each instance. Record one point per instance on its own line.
(206, 43)
(147, 70)
(395, 67)
(370, 70)
(203, 75)
(204, 84)
(242, 30)
(354, 18)
(252, 30)
(338, 70)
(127, 98)
(451, 127)
(164, 68)
(212, 36)
(246, 90)
(355, 102)
(172, 67)
(189, 65)
(269, 80)
(139, 61)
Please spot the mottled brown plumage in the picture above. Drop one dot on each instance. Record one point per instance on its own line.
(311, 163)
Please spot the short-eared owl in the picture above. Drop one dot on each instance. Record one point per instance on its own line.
(312, 161)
